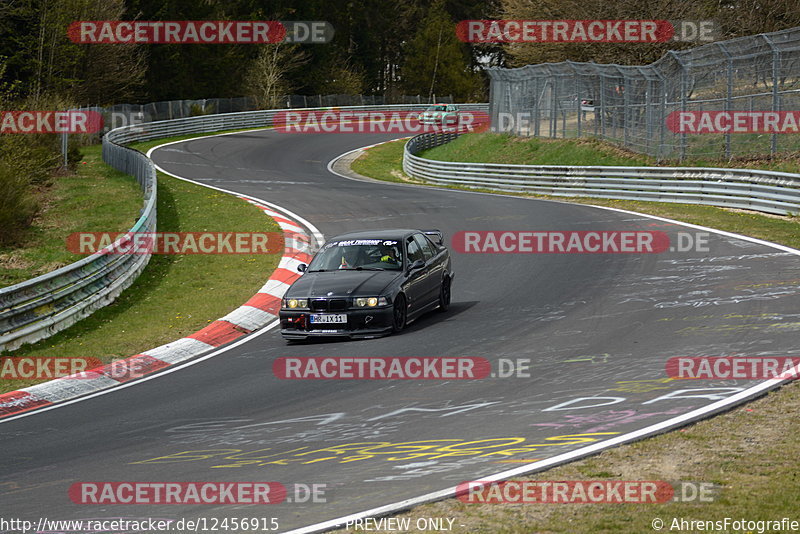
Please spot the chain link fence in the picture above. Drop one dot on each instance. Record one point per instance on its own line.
(630, 105)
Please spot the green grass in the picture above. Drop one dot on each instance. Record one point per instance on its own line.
(507, 149)
(176, 294)
(384, 162)
(94, 199)
(750, 452)
(701, 146)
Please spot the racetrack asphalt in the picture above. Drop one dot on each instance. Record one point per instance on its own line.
(592, 325)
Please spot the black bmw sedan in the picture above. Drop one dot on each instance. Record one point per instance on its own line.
(368, 284)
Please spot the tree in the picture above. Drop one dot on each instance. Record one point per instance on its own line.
(345, 79)
(267, 77)
(521, 54)
(33, 35)
(436, 62)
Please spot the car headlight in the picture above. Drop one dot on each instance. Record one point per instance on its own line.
(369, 302)
(295, 304)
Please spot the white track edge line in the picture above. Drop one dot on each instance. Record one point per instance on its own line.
(317, 235)
(157, 374)
(583, 451)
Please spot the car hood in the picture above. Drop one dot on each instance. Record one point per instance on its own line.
(342, 283)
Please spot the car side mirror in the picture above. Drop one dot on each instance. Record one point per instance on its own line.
(419, 264)
(302, 267)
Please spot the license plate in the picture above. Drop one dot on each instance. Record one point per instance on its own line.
(331, 318)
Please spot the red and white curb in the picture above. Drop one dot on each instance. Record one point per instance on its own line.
(256, 313)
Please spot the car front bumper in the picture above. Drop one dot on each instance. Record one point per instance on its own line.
(360, 323)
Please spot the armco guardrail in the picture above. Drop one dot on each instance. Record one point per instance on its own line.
(245, 119)
(42, 306)
(765, 191)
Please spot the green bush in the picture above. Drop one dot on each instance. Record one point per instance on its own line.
(27, 162)
(18, 206)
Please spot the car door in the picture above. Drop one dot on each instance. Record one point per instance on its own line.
(416, 284)
(434, 268)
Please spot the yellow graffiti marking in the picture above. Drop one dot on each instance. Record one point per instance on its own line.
(723, 316)
(739, 327)
(188, 456)
(770, 283)
(253, 460)
(394, 452)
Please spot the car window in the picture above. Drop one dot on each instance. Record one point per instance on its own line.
(425, 246)
(382, 254)
(434, 246)
(414, 252)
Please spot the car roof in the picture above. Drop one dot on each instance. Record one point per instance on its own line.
(397, 234)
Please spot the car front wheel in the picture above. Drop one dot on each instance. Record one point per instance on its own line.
(399, 315)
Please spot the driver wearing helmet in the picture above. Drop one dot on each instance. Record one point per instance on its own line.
(390, 255)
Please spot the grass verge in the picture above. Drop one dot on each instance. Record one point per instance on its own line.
(94, 199)
(507, 149)
(175, 295)
(750, 453)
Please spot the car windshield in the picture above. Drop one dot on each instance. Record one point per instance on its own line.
(359, 254)
(433, 109)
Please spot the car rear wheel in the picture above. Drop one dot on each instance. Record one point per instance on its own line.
(444, 295)
(399, 315)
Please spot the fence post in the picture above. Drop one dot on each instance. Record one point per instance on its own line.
(684, 95)
(602, 106)
(662, 116)
(537, 108)
(728, 96)
(626, 112)
(776, 59)
(579, 102)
